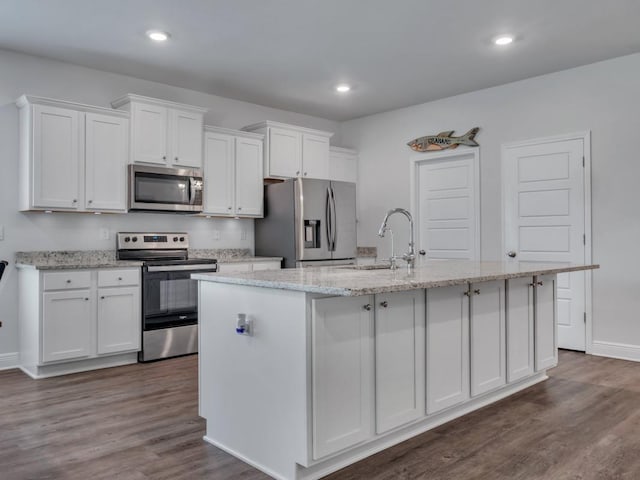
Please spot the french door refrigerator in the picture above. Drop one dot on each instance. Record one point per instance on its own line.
(308, 222)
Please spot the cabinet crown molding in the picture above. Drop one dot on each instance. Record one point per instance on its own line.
(26, 100)
(131, 97)
(231, 131)
(269, 123)
(343, 150)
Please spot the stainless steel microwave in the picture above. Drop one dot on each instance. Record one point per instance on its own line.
(165, 189)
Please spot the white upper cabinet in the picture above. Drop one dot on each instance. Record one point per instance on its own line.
(343, 164)
(233, 173)
(162, 132)
(106, 153)
(72, 157)
(292, 151)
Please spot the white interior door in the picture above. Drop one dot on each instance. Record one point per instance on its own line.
(544, 217)
(448, 206)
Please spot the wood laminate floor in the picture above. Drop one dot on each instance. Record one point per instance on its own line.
(141, 422)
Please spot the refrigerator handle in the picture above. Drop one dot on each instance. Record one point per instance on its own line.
(328, 220)
(334, 221)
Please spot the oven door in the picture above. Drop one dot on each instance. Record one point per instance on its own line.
(170, 296)
(165, 189)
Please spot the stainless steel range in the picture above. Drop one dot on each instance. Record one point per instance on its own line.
(169, 296)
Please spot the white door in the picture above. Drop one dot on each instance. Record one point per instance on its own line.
(315, 156)
(56, 158)
(186, 139)
(118, 319)
(487, 337)
(285, 153)
(448, 207)
(400, 362)
(342, 373)
(447, 347)
(249, 178)
(66, 325)
(149, 134)
(219, 153)
(106, 157)
(544, 217)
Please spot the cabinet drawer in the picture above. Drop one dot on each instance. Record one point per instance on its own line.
(66, 280)
(118, 278)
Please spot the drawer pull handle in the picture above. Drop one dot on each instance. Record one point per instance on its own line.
(384, 304)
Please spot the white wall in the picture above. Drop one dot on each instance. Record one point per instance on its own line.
(602, 97)
(66, 231)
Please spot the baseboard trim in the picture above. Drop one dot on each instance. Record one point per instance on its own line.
(621, 351)
(9, 360)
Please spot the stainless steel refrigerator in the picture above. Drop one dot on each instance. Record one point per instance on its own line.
(308, 222)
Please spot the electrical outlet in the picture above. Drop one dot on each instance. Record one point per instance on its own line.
(104, 234)
(216, 234)
(243, 234)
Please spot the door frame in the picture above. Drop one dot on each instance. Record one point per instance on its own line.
(585, 136)
(417, 159)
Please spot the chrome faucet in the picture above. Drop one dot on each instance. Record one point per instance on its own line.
(410, 256)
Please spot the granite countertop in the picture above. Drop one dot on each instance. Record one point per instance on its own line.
(84, 259)
(72, 259)
(350, 281)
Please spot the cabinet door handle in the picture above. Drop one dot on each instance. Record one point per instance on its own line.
(101, 298)
(367, 307)
(75, 200)
(229, 208)
(239, 208)
(86, 299)
(477, 291)
(305, 174)
(90, 202)
(68, 281)
(164, 157)
(176, 159)
(384, 304)
(298, 172)
(467, 293)
(119, 279)
(540, 284)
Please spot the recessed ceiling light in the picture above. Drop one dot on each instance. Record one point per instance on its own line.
(503, 40)
(158, 36)
(343, 88)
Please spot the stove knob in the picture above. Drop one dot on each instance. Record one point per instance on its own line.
(175, 239)
(134, 239)
(127, 239)
(182, 239)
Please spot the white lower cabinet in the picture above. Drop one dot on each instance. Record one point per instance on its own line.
(118, 319)
(66, 325)
(546, 330)
(447, 347)
(519, 299)
(343, 373)
(399, 358)
(487, 336)
(71, 316)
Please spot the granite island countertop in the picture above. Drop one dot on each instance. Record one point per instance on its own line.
(353, 281)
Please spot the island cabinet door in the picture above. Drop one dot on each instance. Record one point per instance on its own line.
(400, 362)
(488, 342)
(519, 328)
(342, 373)
(546, 333)
(447, 347)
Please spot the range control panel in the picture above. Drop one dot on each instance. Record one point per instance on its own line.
(146, 240)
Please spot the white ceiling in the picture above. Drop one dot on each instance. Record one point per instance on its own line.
(290, 54)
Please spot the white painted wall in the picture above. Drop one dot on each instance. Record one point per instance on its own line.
(602, 97)
(66, 231)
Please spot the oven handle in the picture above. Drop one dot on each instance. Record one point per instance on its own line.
(182, 268)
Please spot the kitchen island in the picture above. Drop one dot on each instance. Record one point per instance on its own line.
(305, 371)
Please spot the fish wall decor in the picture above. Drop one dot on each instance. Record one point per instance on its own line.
(444, 140)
